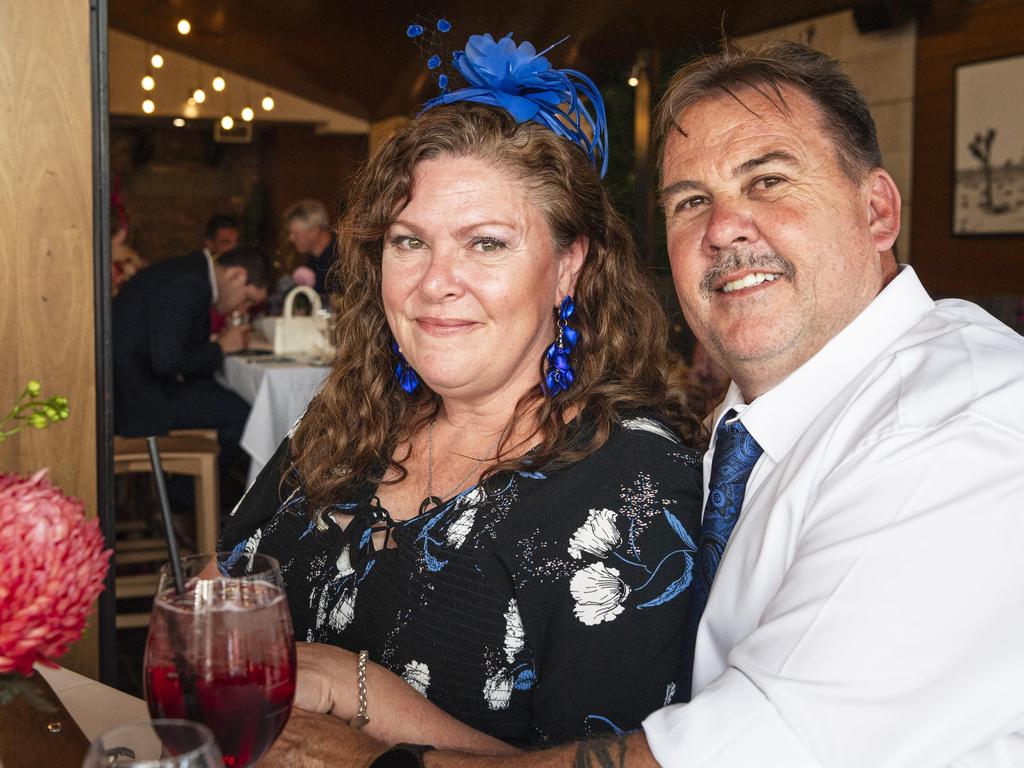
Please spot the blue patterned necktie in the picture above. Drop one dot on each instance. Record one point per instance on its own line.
(736, 453)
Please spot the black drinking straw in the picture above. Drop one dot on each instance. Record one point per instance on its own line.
(165, 513)
(186, 675)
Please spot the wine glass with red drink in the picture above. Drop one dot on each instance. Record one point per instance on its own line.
(223, 653)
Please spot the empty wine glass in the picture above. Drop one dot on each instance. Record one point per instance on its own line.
(223, 653)
(154, 744)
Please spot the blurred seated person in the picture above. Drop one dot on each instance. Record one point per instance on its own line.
(125, 261)
(310, 235)
(509, 547)
(164, 358)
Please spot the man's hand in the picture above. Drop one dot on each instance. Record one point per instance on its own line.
(234, 339)
(321, 741)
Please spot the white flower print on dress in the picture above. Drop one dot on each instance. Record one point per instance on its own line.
(321, 608)
(250, 548)
(599, 594)
(498, 690)
(598, 535)
(344, 610)
(459, 530)
(670, 693)
(515, 638)
(344, 562)
(652, 426)
(417, 674)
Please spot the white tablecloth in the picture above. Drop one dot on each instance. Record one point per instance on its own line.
(94, 706)
(278, 392)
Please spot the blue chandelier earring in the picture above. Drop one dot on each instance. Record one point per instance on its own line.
(404, 373)
(560, 374)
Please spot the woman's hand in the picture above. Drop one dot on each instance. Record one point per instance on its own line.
(328, 683)
(327, 680)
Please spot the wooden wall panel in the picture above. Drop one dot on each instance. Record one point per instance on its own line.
(46, 260)
(953, 33)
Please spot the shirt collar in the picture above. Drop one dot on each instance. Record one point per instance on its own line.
(213, 276)
(777, 418)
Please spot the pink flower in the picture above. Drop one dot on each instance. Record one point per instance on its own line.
(304, 276)
(53, 569)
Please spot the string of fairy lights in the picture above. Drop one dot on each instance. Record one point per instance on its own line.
(197, 94)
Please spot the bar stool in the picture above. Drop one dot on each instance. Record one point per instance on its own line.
(186, 452)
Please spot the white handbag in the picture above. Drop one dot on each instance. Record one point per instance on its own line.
(293, 334)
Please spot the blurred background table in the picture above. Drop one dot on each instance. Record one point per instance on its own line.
(278, 389)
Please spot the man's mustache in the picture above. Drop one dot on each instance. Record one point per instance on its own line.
(735, 259)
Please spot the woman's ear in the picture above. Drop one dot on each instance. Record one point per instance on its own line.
(569, 267)
(883, 209)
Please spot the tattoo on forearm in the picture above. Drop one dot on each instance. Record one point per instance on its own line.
(608, 752)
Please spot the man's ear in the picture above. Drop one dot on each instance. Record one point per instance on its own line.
(883, 209)
(570, 265)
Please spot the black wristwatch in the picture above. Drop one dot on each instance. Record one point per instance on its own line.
(402, 756)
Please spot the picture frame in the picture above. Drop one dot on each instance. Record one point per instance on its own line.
(988, 148)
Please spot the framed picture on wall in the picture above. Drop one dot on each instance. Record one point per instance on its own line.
(988, 161)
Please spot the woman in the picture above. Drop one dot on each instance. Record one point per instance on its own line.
(513, 544)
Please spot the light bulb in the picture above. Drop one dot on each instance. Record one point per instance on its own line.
(199, 95)
(148, 83)
(157, 60)
(218, 83)
(179, 122)
(184, 27)
(248, 113)
(148, 106)
(267, 103)
(227, 122)
(190, 110)
(633, 81)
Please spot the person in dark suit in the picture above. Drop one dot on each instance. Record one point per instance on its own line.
(165, 355)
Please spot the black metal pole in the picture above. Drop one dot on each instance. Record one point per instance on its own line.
(98, 55)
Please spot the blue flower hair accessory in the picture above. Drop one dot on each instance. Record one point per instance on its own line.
(523, 83)
(428, 37)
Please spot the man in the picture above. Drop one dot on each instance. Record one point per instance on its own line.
(164, 358)
(867, 469)
(221, 235)
(310, 235)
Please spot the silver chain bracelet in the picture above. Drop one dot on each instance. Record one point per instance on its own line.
(361, 718)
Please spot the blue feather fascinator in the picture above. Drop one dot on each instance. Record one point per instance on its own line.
(523, 83)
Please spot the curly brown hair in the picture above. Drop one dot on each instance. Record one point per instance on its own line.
(352, 428)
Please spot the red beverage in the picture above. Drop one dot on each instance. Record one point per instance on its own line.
(245, 710)
(223, 655)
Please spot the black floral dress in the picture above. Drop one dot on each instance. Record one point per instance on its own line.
(537, 607)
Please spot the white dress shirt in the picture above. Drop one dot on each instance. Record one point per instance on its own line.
(213, 276)
(869, 607)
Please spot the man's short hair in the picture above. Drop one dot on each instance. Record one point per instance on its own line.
(255, 262)
(221, 221)
(310, 212)
(765, 68)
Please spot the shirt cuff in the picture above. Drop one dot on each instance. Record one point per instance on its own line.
(730, 724)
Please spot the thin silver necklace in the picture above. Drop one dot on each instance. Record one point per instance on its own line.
(431, 501)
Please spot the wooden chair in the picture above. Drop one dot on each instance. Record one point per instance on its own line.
(186, 452)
